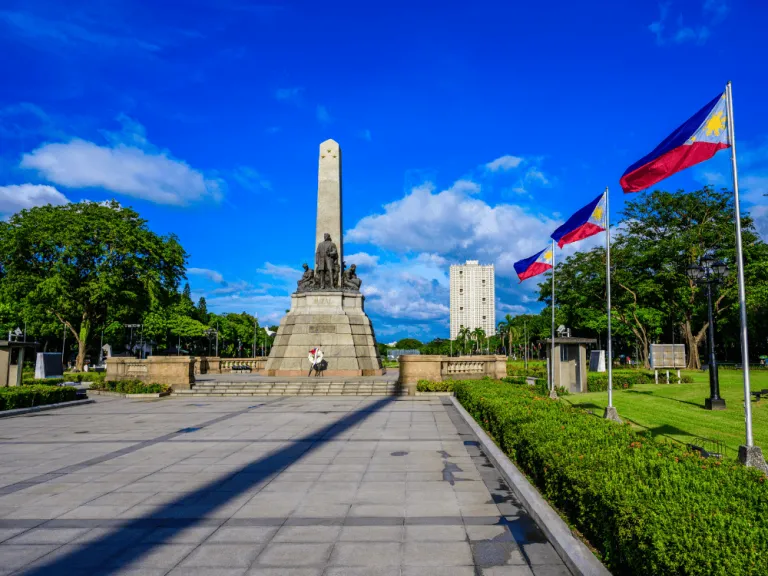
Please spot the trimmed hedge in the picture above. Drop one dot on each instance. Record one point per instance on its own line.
(541, 385)
(129, 387)
(648, 507)
(623, 379)
(85, 376)
(43, 381)
(13, 397)
(429, 386)
(536, 368)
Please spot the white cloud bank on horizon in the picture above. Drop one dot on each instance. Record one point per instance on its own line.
(128, 165)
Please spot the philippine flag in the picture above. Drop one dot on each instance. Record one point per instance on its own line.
(587, 222)
(695, 141)
(535, 265)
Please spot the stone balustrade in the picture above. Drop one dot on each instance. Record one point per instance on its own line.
(437, 368)
(175, 371)
(255, 364)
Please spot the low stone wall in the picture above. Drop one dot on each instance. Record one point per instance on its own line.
(438, 368)
(207, 365)
(175, 371)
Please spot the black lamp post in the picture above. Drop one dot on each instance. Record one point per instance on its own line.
(710, 271)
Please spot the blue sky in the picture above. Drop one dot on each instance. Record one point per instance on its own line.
(468, 130)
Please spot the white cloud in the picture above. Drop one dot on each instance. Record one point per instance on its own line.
(504, 163)
(322, 115)
(362, 260)
(289, 94)
(453, 224)
(15, 197)
(210, 274)
(536, 176)
(250, 179)
(130, 165)
(712, 12)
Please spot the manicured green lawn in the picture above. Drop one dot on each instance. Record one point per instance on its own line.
(677, 410)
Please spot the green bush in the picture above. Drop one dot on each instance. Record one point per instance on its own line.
(647, 507)
(43, 381)
(623, 379)
(429, 386)
(12, 397)
(540, 385)
(536, 368)
(85, 376)
(129, 387)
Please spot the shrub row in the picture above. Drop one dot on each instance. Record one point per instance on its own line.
(43, 381)
(129, 387)
(13, 397)
(536, 368)
(85, 376)
(623, 379)
(429, 386)
(648, 507)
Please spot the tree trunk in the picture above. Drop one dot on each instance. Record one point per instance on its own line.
(82, 339)
(692, 341)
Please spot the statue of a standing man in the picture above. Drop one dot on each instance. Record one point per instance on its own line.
(326, 258)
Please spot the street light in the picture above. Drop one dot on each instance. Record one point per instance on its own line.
(710, 271)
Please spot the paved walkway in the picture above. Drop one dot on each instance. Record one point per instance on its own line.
(336, 486)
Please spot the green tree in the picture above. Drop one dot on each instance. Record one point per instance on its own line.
(202, 310)
(478, 337)
(79, 263)
(408, 344)
(665, 233)
(508, 329)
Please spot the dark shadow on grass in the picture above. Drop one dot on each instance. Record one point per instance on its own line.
(647, 393)
(668, 430)
(118, 549)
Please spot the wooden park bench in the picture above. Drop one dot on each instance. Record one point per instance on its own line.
(241, 368)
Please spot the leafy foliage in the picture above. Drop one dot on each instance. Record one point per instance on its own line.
(13, 397)
(429, 386)
(648, 507)
(130, 387)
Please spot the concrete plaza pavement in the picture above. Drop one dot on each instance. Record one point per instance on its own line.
(331, 486)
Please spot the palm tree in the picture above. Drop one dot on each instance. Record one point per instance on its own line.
(478, 335)
(512, 332)
(463, 336)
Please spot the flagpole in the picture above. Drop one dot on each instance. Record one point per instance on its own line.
(748, 454)
(553, 392)
(610, 411)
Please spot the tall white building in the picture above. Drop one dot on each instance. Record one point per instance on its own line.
(473, 297)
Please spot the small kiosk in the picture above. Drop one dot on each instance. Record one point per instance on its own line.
(570, 362)
(12, 359)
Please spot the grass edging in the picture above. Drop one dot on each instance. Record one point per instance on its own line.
(126, 395)
(576, 555)
(30, 409)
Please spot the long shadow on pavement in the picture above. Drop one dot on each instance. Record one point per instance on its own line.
(118, 549)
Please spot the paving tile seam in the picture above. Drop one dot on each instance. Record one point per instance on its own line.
(41, 479)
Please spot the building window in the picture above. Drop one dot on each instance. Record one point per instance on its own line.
(483, 281)
(461, 308)
(483, 317)
(483, 299)
(563, 353)
(461, 290)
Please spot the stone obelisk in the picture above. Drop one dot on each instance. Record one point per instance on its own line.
(331, 318)
(329, 195)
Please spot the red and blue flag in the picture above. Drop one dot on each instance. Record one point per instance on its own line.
(695, 141)
(587, 222)
(535, 265)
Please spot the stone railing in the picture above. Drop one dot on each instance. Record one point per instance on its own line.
(255, 364)
(175, 371)
(437, 368)
(207, 365)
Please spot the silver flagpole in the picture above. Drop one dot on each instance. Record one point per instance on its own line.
(552, 354)
(743, 454)
(610, 411)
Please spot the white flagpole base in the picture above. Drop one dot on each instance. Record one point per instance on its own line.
(553, 393)
(752, 456)
(612, 414)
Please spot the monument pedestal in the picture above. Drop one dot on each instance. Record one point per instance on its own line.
(333, 321)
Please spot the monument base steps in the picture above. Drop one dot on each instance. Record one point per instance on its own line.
(290, 388)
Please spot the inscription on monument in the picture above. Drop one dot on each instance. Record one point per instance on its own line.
(322, 328)
(136, 369)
